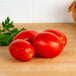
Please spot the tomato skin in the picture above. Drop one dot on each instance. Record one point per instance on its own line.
(22, 50)
(62, 37)
(26, 35)
(47, 44)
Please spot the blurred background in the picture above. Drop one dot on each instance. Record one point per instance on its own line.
(36, 11)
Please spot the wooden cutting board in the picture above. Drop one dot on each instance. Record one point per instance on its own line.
(62, 65)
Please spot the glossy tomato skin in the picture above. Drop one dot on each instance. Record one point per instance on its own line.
(26, 35)
(62, 37)
(47, 44)
(22, 50)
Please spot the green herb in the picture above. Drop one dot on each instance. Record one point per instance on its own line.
(16, 32)
(8, 32)
(4, 39)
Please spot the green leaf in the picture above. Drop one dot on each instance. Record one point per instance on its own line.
(4, 40)
(8, 19)
(9, 25)
(3, 24)
(22, 29)
(8, 29)
(14, 30)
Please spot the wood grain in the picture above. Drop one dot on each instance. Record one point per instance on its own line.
(62, 65)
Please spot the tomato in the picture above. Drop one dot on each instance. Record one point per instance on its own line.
(59, 34)
(26, 35)
(47, 44)
(21, 50)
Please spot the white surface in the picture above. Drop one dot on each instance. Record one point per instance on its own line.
(42, 11)
(18, 10)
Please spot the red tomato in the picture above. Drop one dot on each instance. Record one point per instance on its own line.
(59, 34)
(22, 50)
(26, 35)
(47, 44)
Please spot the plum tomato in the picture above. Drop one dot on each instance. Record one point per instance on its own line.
(62, 37)
(47, 44)
(22, 50)
(26, 35)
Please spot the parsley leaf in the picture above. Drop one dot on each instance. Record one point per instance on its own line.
(8, 32)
